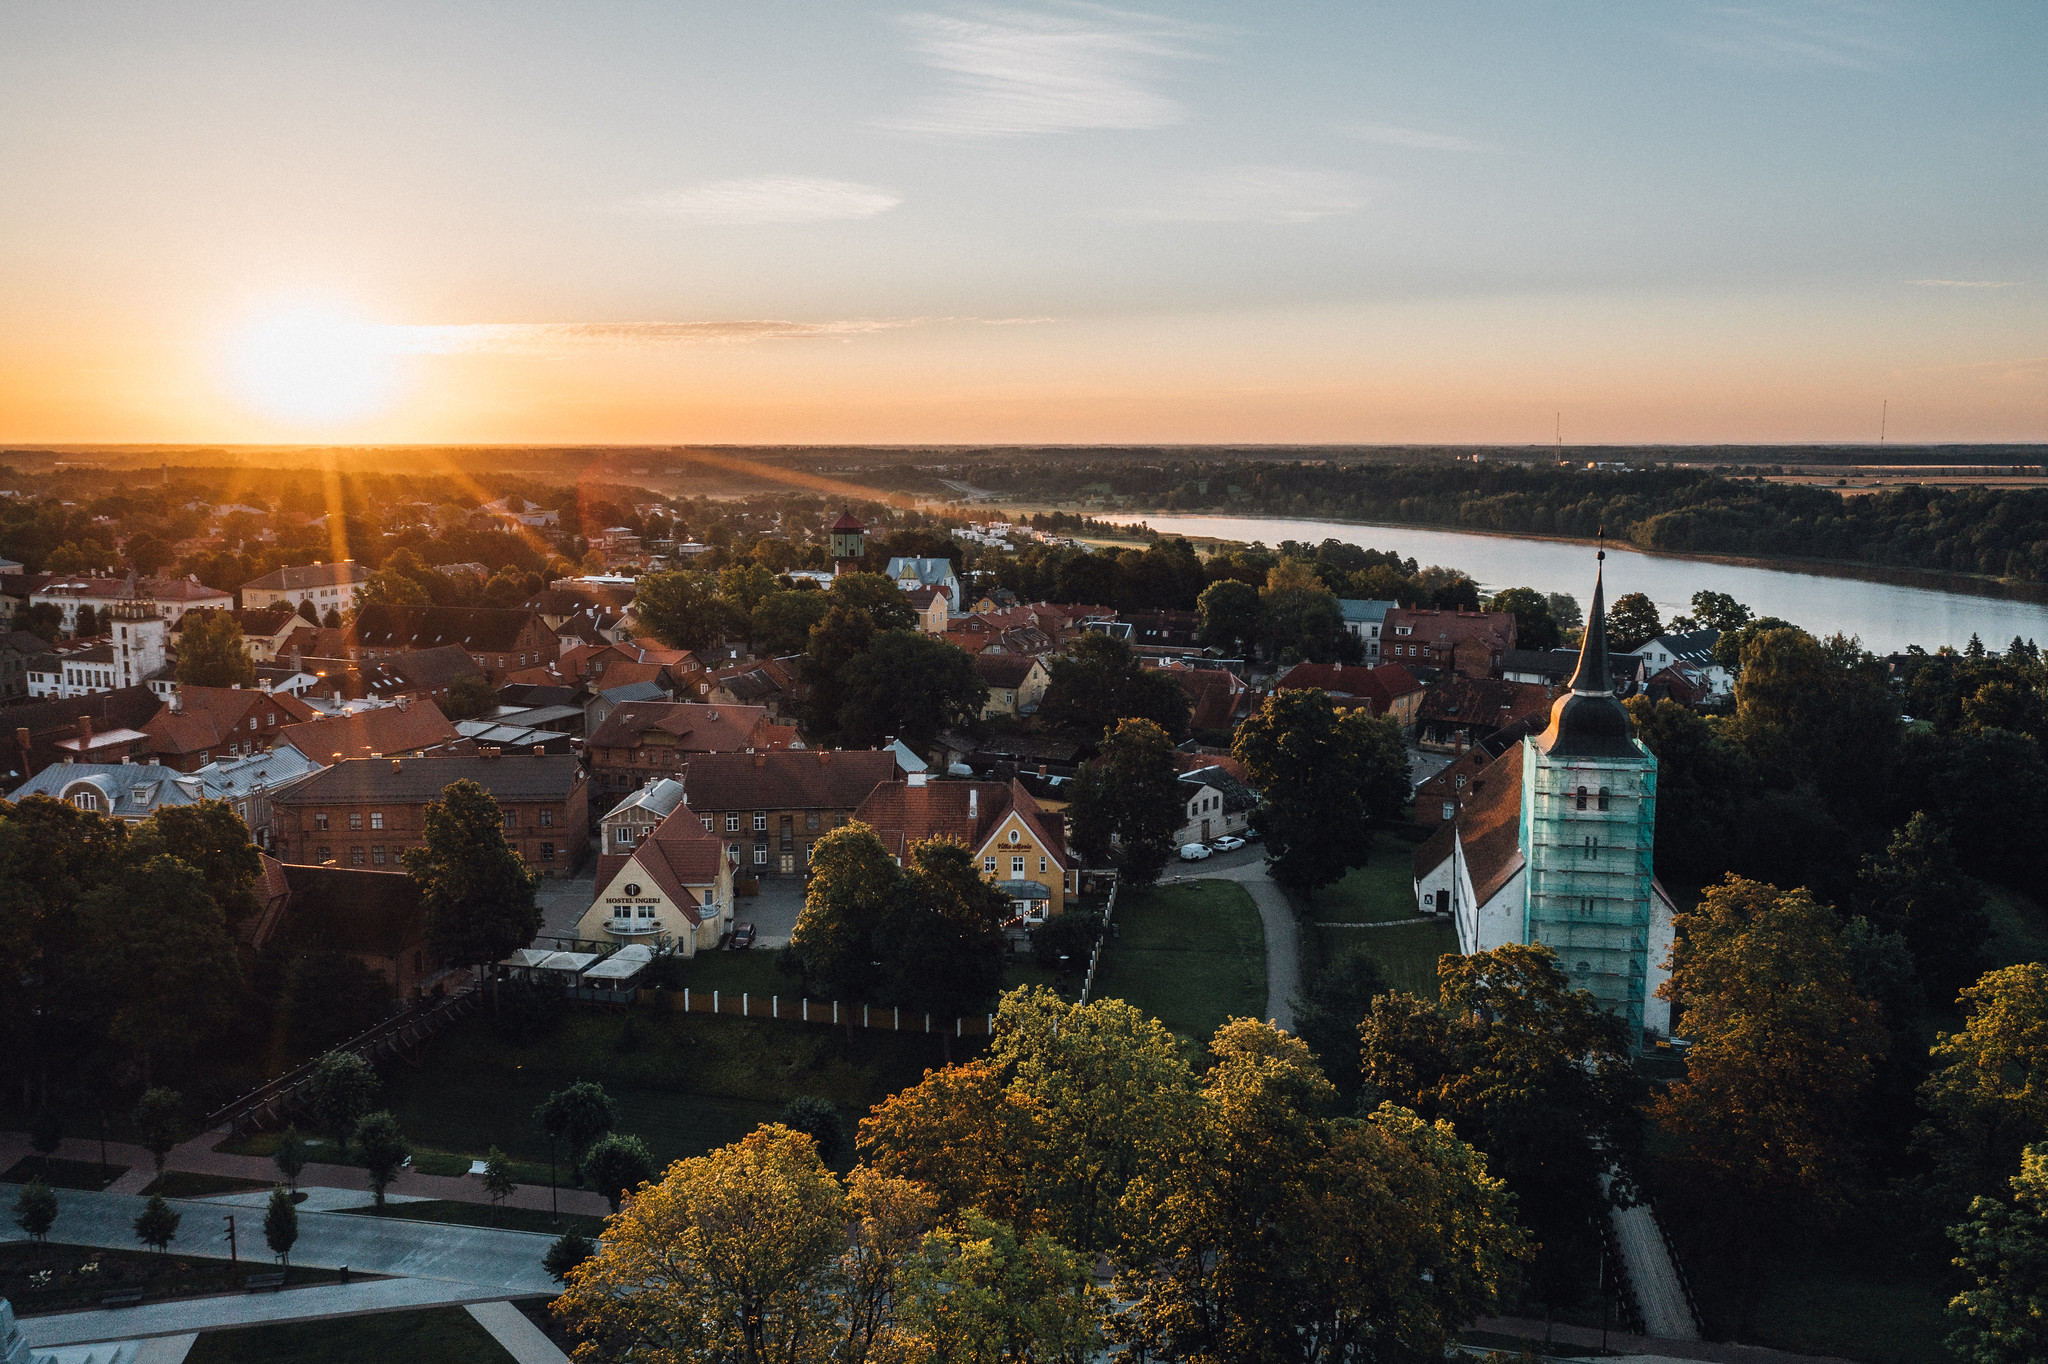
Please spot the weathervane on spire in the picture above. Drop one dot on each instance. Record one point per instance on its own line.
(1600, 537)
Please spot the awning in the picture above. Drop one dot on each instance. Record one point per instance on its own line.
(1025, 890)
(623, 964)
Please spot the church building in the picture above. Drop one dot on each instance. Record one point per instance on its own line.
(1552, 842)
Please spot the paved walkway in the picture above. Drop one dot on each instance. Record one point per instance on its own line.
(1660, 1295)
(198, 1157)
(431, 1263)
(1283, 935)
(525, 1342)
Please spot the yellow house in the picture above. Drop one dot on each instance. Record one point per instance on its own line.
(1016, 683)
(673, 890)
(1019, 845)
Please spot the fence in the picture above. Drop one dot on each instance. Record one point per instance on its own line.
(827, 1012)
(395, 1036)
(1101, 939)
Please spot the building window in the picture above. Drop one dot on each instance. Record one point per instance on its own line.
(511, 819)
(1450, 809)
(547, 852)
(760, 821)
(707, 823)
(734, 849)
(355, 856)
(1582, 798)
(1014, 835)
(988, 864)
(732, 825)
(623, 837)
(1016, 866)
(1592, 849)
(810, 851)
(323, 855)
(811, 820)
(547, 819)
(355, 821)
(1041, 866)
(86, 800)
(377, 854)
(1603, 798)
(760, 854)
(320, 821)
(376, 819)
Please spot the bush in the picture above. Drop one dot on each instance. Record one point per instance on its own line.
(1068, 935)
(819, 1120)
(36, 1210)
(618, 1164)
(568, 1251)
(527, 1011)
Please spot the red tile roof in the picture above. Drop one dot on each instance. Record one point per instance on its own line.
(901, 814)
(695, 727)
(680, 855)
(384, 731)
(785, 779)
(1489, 826)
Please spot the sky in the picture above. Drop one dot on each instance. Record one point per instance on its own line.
(840, 222)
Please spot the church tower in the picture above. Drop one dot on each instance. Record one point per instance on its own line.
(848, 542)
(1588, 825)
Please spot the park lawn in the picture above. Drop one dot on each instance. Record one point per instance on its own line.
(89, 1175)
(446, 1335)
(1191, 955)
(484, 1215)
(183, 1184)
(755, 971)
(1381, 891)
(2019, 928)
(155, 1276)
(1406, 953)
(1842, 1300)
(684, 1083)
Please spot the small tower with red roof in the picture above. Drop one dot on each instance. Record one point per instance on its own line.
(849, 544)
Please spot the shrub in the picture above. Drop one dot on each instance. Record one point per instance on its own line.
(819, 1120)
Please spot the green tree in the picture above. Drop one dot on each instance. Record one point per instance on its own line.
(329, 997)
(382, 1149)
(1632, 622)
(681, 609)
(885, 603)
(166, 963)
(160, 1123)
(45, 1134)
(2004, 1250)
(1988, 1097)
(1298, 614)
(1322, 775)
(819, 1120)
(1917, 890)
(1706, 787)
(1228, 615)
(211, 652)
(211, 838)
(476, 889)
(745, 586)
(1535, 1073)
(782, 622)
(341, 1091)
(1535, 627)
(984, 1293)
(565, 1252)
(1127, 803)
(910, 685)
(834, 643)
(1099, 681)
(35, 1210)
(85, 623)
(389, 586)
(498, 1180)
(157, 1224)
(853, 884)
(1328, 1012)
(281, 1225)
(1763, 1124)
(1719, 611)
(290, 1157)
(617, 1165)
(573, 1117)
(1565, 610)
(469, 698)
(940, 940)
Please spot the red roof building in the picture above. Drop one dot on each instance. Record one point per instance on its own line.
(1468, 642)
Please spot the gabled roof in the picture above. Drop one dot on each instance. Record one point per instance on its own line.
(386, 731)
(968, 811)
(483, 628)
(126, 790)
(412, 781)
(1487, 704)
(1380, 686)
(929, 572)
(208, 717)
(1004, 670)
(694, 726)
(680, 856)
(1693, 646)
(659, 797)
(1488, 825)
(1362, 611)
(233, 778)
(419, 670)
(785, 779)
(1237, 797)
(346, 573)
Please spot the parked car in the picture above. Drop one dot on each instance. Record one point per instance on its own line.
(1227, 843)
(1193, 852)
(742, 936)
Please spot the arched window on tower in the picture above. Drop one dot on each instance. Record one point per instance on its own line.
(1603, 798)
(1582, 798)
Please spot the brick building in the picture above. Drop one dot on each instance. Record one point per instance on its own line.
(772, 808)
(203, 724)
(642, 739)
(1467, 642)
(498, 641)
(364, 812)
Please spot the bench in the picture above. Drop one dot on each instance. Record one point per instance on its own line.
(265, 1281)
(121, 1300)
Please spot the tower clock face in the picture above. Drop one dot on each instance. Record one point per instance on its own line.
(632, 892)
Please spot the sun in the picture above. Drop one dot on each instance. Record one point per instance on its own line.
(314, 365)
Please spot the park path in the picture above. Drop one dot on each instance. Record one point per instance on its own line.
(1283, 936)
(1640, 1348)
(198, 1157)
(525, 1342)
(1653, 1276)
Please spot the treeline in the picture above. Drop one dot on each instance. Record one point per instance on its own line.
(2002, 532)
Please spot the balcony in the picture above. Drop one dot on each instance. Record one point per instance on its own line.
(630, 928)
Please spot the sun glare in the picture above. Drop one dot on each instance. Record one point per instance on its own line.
(314, 365)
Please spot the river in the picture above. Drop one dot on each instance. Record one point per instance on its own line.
(1886, 612)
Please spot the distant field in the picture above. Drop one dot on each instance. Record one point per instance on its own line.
(1191, 955)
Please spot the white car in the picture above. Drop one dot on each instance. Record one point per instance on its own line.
(1227, 843)
(1193, 852)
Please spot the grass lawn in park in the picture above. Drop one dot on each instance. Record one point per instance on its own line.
(1406, 953)
(1381, 891)
(445, 1335)
(89, 1175)
(81, 1276)
(484, 1215)
(182, 1184)
(1191, 955)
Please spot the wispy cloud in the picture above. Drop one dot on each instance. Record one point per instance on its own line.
(1251, 194)
(1013, 72)
(771, 199)
(537, 338)
(1968, 283)
(1390, 135)
(1800, 34)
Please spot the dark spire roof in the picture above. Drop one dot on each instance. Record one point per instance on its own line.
(1588, 721)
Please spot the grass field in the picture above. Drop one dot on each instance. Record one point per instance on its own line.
(1406, 953)
(89, 1175)
(181, 1184)
(484, 1215)
(445, 1335)
(1190, 955)
(72, 1285)
(1381, 891)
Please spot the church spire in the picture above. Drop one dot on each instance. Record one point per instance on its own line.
(1593, 677)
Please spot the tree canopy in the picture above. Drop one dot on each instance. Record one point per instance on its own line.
(1126, 804)
(211, 652)
(1322, 775)
(476, 889)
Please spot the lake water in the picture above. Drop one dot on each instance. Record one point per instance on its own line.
(1887, 612)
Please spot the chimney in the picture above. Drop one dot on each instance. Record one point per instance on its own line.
(394, 764)
(85, 732)
(760, 760)
(973, 803)
(540, 750)
(1042, 772)
(917, 779)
